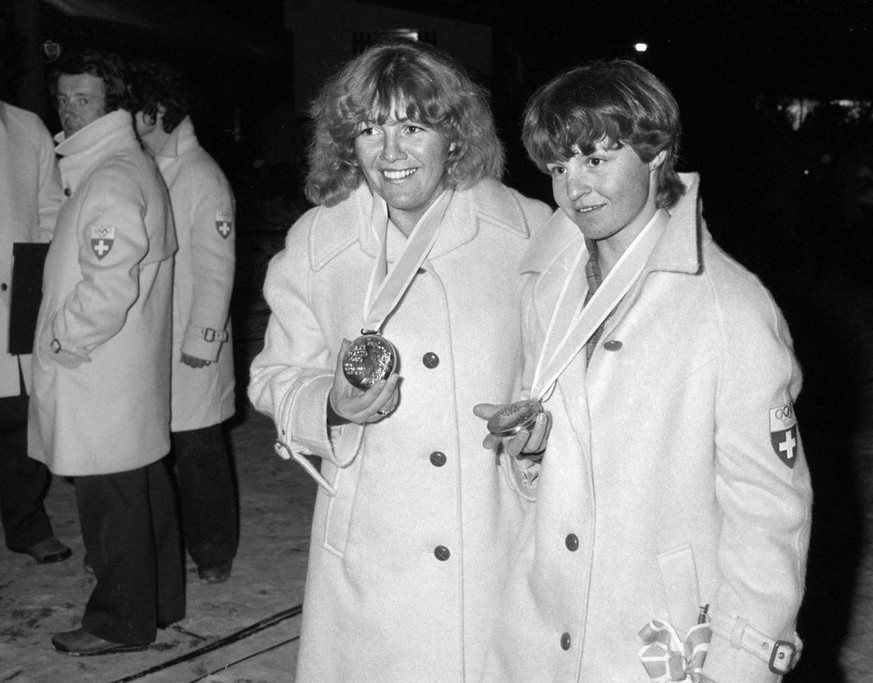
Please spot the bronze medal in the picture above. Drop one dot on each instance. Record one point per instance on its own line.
(370, 358)
(514, 417)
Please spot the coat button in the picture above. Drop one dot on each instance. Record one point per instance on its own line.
(67, 191)
(612, 345)
(4, 287)
(572, 542)
(565, 641)
(430, 360)
(437, 458)
(442, 553)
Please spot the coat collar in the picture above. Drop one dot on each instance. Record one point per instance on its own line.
(677, 250)
(83, 150)
(108, 131)
(488, 200)
(180, 140)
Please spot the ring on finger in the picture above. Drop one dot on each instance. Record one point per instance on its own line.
(385, 411)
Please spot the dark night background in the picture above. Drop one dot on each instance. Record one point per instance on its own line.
(793, 203)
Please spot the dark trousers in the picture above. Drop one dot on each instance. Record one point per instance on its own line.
(207, 493)
(130, 527)
(23, 482)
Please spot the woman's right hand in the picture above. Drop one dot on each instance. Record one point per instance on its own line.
(528, 444)
(362, 407)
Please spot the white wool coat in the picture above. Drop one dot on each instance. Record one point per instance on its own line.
(662, 488)
(30, 196)
(107, 293)
(411, 533)
(203, 209)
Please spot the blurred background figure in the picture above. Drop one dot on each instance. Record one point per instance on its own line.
(30, 196)
(202, 374)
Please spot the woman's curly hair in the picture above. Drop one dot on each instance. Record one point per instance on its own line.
(434, 90)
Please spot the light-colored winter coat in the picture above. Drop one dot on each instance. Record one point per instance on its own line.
(674, 476)
(203, 209)
(410, 544)
(106, 300)
(30, 196)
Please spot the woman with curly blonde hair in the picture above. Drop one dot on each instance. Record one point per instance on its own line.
(414, 241)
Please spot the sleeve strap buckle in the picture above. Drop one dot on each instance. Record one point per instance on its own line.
(211, 335)
(782, 657)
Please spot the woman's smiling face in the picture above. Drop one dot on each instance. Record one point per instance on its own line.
(404, 162)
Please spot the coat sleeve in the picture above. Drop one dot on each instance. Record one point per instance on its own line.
(523, 473)
(112, 241)
(292, 377)
(763, 489)
(213, 260)
(50, 196)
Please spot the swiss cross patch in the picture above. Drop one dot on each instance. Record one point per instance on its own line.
(224, 223)
(102, 239)
(783, 433)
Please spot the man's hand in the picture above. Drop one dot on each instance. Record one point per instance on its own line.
(194, 362)
(528, 444)
(362, 407)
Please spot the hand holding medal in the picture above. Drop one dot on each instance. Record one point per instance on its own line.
(523, 427)
(373, 397)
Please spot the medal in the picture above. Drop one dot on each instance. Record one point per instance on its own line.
(370, 358)
(514, 417)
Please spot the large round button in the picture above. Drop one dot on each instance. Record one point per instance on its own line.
(612, 345)
(572, 542)
(67, 191)
(437, 458)
(4, 287)
(442, 553)
(430, 360)
(565, 641)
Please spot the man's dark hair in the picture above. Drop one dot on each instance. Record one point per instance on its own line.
(107, 66)
(156, 83)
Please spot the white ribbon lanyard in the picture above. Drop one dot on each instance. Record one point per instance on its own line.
(386, 289)
(559, 351)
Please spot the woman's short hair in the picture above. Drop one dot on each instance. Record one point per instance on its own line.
(435, 91)
(156, 83)
(618, 102)
(107, 66)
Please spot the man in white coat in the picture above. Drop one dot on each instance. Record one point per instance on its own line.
(30, 196)
(101, 365)
(670, 532)
(202, 371)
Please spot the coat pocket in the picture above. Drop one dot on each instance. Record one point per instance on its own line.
(681, 588)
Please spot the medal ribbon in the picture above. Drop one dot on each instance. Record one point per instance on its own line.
(386, 289)
(558, 352)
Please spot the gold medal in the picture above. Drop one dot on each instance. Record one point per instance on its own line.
(370, 358)
(514, 417)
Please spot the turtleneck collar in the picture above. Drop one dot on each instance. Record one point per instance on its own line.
(109, 131)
